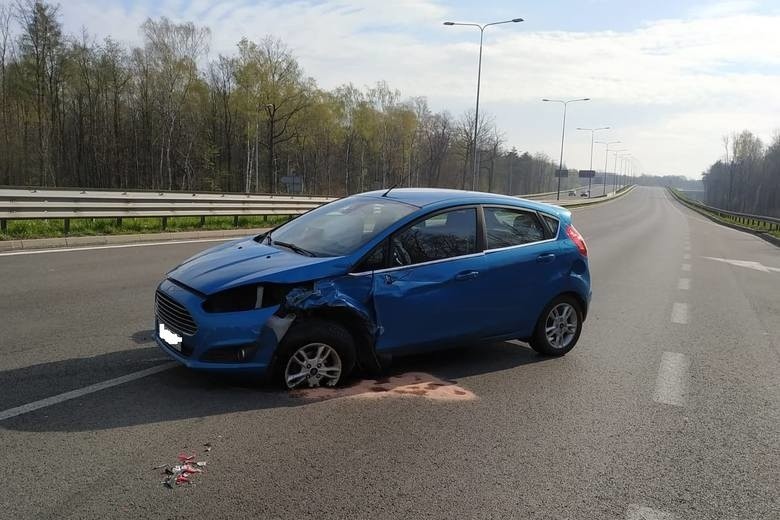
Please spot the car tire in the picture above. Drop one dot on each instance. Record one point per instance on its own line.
(304, 341)
(560, 314)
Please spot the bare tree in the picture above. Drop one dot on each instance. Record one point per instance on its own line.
(172, 51)
(6, 51)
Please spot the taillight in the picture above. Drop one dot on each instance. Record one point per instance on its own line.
(575, 237)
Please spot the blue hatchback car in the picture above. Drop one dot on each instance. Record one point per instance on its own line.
(366, 277)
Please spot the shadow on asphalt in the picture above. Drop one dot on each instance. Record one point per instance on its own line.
(180, 393)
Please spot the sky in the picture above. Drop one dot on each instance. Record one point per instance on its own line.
(670, 77)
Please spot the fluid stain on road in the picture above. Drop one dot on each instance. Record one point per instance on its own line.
(408, 385)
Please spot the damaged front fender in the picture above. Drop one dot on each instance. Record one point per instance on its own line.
(347, 300)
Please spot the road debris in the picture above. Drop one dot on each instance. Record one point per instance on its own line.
(183, 472)
(183, 457)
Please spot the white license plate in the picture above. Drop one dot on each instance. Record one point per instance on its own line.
(169, 337)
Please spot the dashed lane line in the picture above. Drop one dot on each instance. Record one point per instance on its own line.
(116, 246)
(671, 385)
(636, 512)
(91, 389)
(680, 313)
(684, 284)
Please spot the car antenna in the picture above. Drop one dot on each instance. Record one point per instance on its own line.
(389, 189)
(395, 185)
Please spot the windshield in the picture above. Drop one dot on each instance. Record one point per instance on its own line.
(339, 228)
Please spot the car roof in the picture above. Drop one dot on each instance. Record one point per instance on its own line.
(422, 197)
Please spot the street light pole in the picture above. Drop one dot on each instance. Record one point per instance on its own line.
(615, 175)
(592, 136)
(606, 159)
(481, 28)
(563, 133)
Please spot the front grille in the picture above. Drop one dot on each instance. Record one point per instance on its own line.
(173, 314)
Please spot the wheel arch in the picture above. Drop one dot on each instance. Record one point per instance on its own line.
(361, 331)
(580, 300)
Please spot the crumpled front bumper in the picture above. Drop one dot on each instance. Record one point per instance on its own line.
(219, 335)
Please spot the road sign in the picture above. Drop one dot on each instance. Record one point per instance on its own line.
(587, 174)
(562, 173)
(294, 183)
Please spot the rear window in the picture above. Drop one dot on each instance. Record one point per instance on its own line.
(509, 227)
(552, 223)
(446, 235)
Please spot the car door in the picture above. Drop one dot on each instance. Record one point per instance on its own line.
(522, 270)
(431, 294)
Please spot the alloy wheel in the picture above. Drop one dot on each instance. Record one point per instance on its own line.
(314, 364)
(561, 325)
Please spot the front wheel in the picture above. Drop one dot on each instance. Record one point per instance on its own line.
(315, 353)
(558, 328)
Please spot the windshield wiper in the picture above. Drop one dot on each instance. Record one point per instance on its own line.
(299, 250)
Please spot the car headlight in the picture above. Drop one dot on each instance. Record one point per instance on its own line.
(246, 298)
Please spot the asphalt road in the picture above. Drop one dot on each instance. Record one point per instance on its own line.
(667, 408)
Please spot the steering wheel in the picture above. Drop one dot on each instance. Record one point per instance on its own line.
(399, 255)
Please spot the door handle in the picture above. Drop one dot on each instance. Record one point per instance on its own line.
(389, 279)
(466, 275)
(546, 258)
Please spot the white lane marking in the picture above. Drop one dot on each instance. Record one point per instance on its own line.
(746, 263)
(685, 267)
(73, 394)
(646, 513)
(680, 313)
(688, 247)
(672, 382)
(684, 284)
(117, 246)
(687, 256)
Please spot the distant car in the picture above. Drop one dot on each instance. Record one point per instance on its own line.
(374, 275)
(585, 194)
(572, 193)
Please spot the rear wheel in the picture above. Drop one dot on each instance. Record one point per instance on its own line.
(315, 353)
(559, 327)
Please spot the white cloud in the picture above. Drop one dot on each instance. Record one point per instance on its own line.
(726, 8)
(671, 87)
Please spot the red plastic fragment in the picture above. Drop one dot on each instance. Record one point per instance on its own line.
(183, 457)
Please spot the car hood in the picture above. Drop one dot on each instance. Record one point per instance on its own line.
(246, 261)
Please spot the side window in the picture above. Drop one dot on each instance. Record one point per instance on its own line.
(509, 227)
(374, 261)
(445, 235)
(552, 223)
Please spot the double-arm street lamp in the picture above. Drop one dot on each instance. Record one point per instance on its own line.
(563, 133)
(592, 136)
(606, 160)
(479, 79)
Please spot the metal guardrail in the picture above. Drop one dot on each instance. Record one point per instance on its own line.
(771, 223)
(69, 204)
(64, 204)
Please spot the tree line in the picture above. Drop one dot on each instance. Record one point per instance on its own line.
(163, 116)
(747, 179)
(673, 181)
